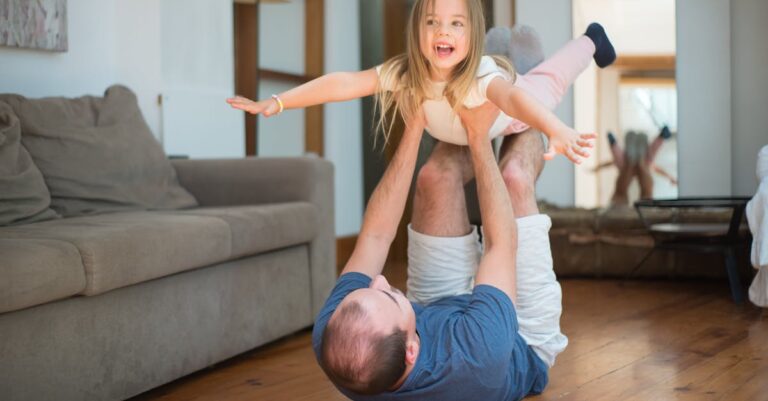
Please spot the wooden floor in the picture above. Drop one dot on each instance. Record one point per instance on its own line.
(637, 340)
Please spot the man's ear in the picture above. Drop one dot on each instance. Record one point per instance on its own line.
(411, 352)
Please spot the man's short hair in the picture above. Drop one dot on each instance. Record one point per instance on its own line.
(357, 359)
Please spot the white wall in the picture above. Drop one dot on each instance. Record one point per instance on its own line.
(96, 29)
(138, 53)
(343, 121)
(636, 26)
(552, 19)
(749, 91)
(282, 49)
(198, 74)
(704, 97)
(178, 48)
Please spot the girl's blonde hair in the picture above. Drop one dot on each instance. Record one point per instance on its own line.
(409, 73)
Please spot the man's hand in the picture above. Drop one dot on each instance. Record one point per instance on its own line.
(479, 120)
(497, 266)
(568, 142)
(267, 108)
(417, 123)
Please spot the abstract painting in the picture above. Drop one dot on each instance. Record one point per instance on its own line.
(34, 24)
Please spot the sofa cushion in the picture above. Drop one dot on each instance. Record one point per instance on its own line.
(34, 272)
(97, 154)
(24, 198)
(121, 249)
(256, 229)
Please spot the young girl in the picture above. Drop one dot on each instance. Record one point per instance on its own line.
(444, 68)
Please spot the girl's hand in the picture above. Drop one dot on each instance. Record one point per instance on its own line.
(570, 143)
(266, 108)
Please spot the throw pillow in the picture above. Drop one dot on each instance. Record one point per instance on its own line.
(24, 198)
(98, 154)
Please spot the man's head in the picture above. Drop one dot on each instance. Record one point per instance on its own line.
(370, 340)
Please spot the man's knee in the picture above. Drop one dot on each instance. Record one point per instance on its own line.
(518, 177)
(435, 175)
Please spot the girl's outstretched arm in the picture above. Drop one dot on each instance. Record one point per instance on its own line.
(333, 87)
(517, 103)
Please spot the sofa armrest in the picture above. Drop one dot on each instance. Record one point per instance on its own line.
(258, 180)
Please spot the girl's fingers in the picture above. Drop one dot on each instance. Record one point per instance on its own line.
(240, 100)
(585, 143)
(579, 151)
(572, 156)
(589, 135)
(551, 152)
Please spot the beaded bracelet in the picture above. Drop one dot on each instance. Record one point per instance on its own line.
(279, 103)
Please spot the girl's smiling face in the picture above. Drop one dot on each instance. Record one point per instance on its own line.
(444, 36)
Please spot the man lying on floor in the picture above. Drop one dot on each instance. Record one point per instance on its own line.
(480, 327)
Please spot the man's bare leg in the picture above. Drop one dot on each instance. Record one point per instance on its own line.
(616, 151)
(439, 208)
(443, 249)
(539, 297)
(521, 159)
(664, 134)
(645, 179)
(621, 187)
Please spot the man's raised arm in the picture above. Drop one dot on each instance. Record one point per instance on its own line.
(497, 266)
(385, 208)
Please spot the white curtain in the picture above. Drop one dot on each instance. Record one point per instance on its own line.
(757, 217)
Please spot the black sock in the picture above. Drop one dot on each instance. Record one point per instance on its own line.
(605, 55)
(611, 138)
(665, 133)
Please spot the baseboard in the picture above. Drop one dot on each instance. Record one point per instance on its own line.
(344, 248)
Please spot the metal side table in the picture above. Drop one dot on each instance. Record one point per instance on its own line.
(723, 238)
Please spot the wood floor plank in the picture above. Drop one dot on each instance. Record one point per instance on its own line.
(699, 382)
(626, 338)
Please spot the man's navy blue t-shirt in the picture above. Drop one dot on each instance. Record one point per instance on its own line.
(470, 348)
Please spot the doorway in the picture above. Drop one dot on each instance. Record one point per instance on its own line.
(636, 95)
(263, 67)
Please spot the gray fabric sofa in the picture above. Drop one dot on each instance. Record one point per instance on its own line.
(611, 243)
(105, 306)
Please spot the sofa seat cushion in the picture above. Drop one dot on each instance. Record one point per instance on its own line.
(37, 271)
(257, 229)
(121, 249)
(126, 248)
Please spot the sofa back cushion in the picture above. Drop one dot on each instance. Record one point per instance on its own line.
(97, 154)
(24, 198)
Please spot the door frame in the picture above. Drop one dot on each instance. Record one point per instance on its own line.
(248, 74)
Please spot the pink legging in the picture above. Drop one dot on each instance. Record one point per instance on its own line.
(549, 81)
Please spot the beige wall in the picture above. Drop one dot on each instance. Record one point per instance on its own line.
(704, 97)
